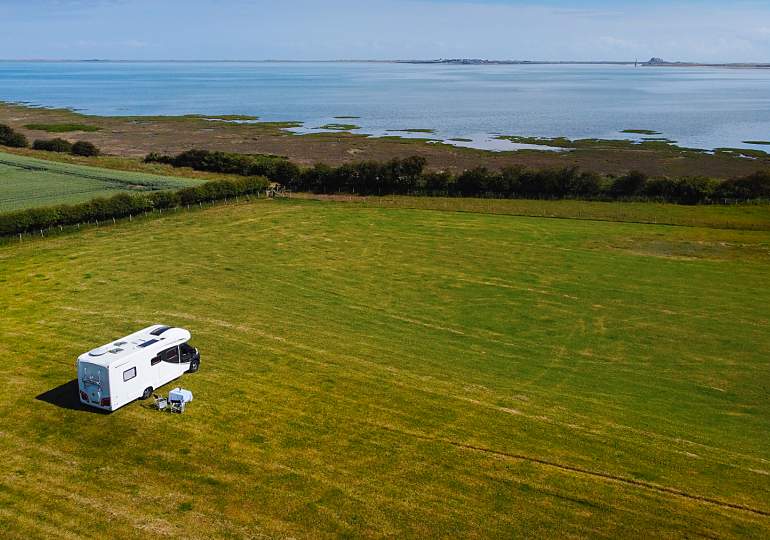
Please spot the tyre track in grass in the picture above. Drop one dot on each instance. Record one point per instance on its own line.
(586, 472)
(303, 350)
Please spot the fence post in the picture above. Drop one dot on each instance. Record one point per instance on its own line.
(19, 237)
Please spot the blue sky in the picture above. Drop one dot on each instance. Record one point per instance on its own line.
(697, 30)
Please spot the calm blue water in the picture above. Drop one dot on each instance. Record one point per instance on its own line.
(698, 107)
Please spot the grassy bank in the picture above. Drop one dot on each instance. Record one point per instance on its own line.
(392, 371)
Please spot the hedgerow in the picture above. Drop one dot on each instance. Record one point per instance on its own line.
(124, 204)
(408, 177)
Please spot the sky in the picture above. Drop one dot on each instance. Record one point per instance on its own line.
(686, 30)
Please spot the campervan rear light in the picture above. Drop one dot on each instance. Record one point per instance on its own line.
(105, 402)
(83, 396)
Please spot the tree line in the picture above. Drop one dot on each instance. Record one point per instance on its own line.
(13, 139)
(124, 205)
(276, 168)
(409, 177)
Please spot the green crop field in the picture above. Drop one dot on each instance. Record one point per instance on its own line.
(396, 372)
(28, 182)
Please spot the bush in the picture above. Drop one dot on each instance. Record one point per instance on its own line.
(155, 157)
(438, 182)
(85, 148)
(629, 185)
(753, 186)
(14, 139)
(473, 181)
(587, 184)
(684, 190)
(53, 145)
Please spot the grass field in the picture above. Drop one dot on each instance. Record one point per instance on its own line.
(394, 372)
(754, 217)
(27, 182)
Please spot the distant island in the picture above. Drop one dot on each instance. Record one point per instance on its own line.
(652, 62)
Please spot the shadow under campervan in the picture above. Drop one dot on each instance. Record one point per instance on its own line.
(134, 366)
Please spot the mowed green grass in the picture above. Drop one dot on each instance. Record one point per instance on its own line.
(28, 182)
(374, 372)
(755, 217)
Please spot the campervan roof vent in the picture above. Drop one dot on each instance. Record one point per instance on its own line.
(159, 331)
(148, 343)
(99, 351)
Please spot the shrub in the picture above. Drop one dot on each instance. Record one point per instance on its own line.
(587, 184)
(629, 185)
(284, 172)
(155, 157)
(14, 139)
(753, 186)
(85, 148)
(437, 182)
(473, 181)
(53, 145)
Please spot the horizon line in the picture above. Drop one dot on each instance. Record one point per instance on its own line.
(460, 60)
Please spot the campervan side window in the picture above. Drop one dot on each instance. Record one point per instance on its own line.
(129, 374)
(171, 355)
(155, 361)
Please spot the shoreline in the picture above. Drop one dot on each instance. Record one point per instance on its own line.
(135, 136)
(496, 143)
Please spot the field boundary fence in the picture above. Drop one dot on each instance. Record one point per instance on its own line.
(148, 214)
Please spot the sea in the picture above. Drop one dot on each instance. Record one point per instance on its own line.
(695, 107)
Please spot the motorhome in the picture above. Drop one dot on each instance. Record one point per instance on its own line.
(133, 367)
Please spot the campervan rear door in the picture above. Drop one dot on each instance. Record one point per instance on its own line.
(93, 383)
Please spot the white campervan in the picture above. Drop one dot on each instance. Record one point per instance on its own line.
(134, 366)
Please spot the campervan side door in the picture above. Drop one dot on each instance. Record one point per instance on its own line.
(168, 367)
(155, 366)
